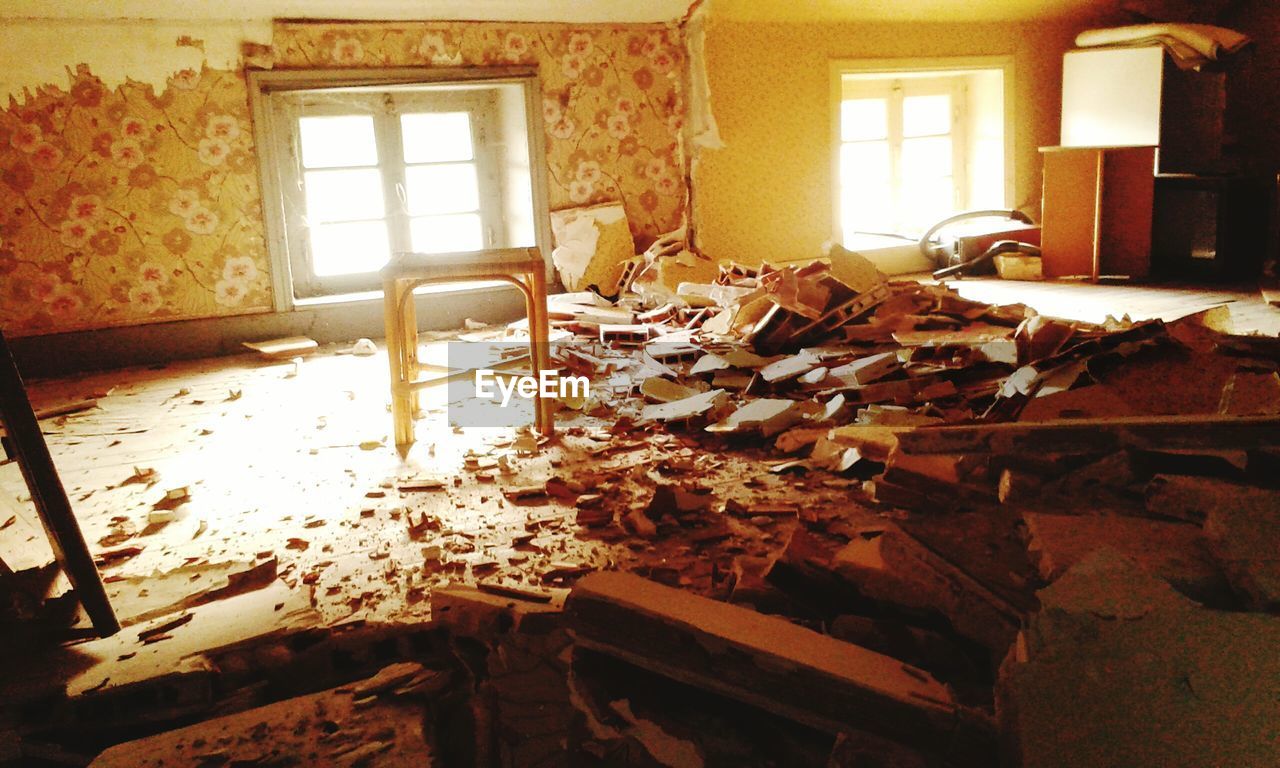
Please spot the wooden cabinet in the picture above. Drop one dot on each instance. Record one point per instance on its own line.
(1114, 97)
(1097, 211)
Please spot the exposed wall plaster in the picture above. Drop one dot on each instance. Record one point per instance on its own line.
(34, 53)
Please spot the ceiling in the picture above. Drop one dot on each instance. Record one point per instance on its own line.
(585, 11)
(905, 10)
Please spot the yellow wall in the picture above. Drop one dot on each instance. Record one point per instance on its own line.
(767, 194)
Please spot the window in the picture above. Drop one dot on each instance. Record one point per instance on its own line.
(915, 146)
(358, 171)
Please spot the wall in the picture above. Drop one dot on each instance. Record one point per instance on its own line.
(767, 194)
(136, 201)
(1253, 87)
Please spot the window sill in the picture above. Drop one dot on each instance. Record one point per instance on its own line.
(363, 297)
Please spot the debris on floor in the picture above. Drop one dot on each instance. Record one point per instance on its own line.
(839, 519)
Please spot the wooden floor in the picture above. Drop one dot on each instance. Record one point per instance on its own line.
(292, 464)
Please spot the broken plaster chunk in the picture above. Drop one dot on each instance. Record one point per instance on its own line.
(700, 405)
(765, 415)
(869, 369)
(789, 367)
(657, 389)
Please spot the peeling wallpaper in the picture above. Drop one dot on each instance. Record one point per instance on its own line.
(122, 206)
(133, 204)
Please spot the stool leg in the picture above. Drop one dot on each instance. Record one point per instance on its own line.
(412, 364)
(401, 415)
(540, 333)
(531, 312)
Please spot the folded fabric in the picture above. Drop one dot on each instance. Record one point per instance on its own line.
(1191, 45)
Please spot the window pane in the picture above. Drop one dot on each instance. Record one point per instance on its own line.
(434, 137)
(864, 160)
(335, 142)
(866, 207)
(345, 249)
(445, 234)
(926, 115)
(442, 188)
(864, 119)
(344, 195)
(926, 158)
(926, 201)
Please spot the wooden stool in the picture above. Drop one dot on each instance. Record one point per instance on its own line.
(522, 267)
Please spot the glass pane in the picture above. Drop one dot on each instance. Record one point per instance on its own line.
(344, 195)
(864, 119)
(442, 188)
(445, 234)
(926, 158)
(345, 249)
(926, 115)
(866, 207)
(925, 201)
(434, 137)
(340, 141)
(864, 160)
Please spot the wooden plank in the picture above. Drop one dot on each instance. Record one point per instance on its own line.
(770, 663)
(292, 346)
(1128, 197)
(49, 497)
(1097, 435)
(1070, 209)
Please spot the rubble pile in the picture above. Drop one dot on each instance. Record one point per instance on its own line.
(979, 454)
(805, 515)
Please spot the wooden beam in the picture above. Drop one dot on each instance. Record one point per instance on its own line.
(773, 664)
(49, 497)
(1096, 435)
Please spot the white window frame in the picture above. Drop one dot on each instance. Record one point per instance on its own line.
(945, 68)
(275, 121)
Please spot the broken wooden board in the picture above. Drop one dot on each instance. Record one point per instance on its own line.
(885, 564)
(770, 663)
(1097, 435)
(291, 346)
(338, 728)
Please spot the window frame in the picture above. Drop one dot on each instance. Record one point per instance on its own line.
(293, 282)
(943, 68)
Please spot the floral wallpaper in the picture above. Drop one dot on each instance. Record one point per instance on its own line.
(612, 97)
(123, 206)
